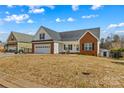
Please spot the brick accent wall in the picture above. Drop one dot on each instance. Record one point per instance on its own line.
(52, 48)
(32, 47)
(88, 38)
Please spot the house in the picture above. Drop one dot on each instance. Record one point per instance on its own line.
(19, 42)
(85, 41)
(104, 53)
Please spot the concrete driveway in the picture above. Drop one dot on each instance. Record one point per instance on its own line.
(6, 54)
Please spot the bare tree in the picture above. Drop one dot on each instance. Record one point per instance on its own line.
(116, 42)
(113, 42)
(102, 42)
(122, 41)
(116, 38)
(108, 43)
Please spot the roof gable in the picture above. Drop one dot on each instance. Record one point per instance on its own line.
(11, 37)
(53, 34)
(90, 34)
(21, 37)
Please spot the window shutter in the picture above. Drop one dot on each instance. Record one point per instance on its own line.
(92, 46)
(71, 47)
(40, 36)
(68, 47)
(64, 47)
(82, 46)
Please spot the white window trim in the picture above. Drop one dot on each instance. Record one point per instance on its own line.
(88, 46)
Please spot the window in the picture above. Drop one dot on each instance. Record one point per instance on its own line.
(77, 47)
(42, 36)
(70, 47)
(88, 46)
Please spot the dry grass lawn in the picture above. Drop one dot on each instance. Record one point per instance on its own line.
(64, 70)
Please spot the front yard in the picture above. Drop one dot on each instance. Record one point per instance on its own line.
(64, 70)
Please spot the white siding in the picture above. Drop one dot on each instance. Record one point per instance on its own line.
(73, 43)
(24, 45)
(47, 36)
(56, 48)
(61, 47)
(98, 46)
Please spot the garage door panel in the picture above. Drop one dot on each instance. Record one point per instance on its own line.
(42, 48)
(11, 47)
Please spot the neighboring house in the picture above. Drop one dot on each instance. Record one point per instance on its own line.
(104, 53)
(19, 41)
(85, 41)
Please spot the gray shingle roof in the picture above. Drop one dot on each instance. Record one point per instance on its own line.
(76, 34)
(71, 35)
(21, 37)
(58, 36)
(55, 35)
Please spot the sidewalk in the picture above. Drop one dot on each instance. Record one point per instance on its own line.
(6, 54)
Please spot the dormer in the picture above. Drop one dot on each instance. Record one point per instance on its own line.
(42, 35)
